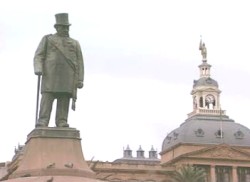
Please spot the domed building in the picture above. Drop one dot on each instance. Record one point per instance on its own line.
(208, 139)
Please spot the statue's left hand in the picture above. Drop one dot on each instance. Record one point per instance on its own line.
(80, 84)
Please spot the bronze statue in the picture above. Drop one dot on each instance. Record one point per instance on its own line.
(203, 50)
(58, 59)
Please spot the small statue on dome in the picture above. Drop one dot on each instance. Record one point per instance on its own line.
(203, 50)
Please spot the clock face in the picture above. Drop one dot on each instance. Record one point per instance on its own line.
(210, 98)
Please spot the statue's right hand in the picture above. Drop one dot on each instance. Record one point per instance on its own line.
(38, 73)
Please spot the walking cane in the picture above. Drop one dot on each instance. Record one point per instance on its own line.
(37, 96)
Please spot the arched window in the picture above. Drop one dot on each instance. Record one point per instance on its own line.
(201, 102)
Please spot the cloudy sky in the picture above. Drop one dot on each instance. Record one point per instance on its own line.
(141, 58)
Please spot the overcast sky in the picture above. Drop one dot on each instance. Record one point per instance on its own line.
(140, 56)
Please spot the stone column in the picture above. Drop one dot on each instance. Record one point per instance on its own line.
(212, 173)
(234, 174)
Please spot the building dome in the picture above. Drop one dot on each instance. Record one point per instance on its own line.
(207, 129)
(207, 124)
(208, 139)
(205, 81)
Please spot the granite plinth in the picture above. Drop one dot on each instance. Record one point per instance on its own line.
(53, 152)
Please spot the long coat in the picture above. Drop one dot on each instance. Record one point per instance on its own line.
(61, 63)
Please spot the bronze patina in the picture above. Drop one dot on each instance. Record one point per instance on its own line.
(59, 61)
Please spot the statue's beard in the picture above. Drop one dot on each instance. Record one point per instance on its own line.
(63, 34)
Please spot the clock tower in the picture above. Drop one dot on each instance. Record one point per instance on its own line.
(205, 92)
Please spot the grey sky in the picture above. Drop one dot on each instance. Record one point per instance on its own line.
(141, 58)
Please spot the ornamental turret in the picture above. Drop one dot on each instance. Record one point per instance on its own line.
(127, 153)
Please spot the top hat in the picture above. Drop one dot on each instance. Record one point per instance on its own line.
(62, 19)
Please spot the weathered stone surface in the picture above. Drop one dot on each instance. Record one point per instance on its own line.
(53, 152)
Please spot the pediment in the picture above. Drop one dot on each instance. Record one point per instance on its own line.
(224, 152)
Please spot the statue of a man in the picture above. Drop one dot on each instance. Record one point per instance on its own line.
(58, 59)
(203, 50)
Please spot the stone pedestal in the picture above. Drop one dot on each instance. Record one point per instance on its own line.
(53, 152)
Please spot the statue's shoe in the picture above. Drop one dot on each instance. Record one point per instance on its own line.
(62, 124)
(41, 124)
